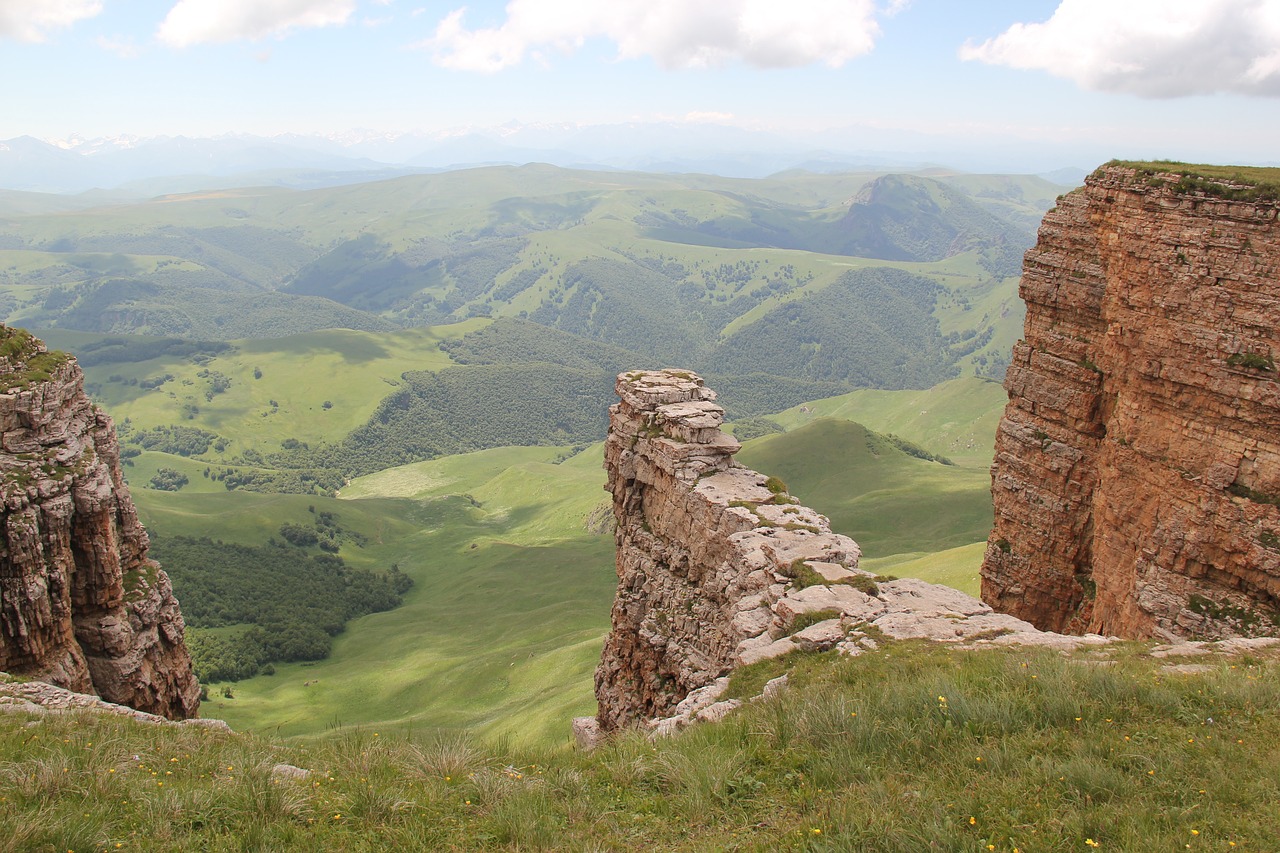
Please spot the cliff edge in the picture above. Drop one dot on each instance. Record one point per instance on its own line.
(1137, 472)
(719, 567)
(81, 605)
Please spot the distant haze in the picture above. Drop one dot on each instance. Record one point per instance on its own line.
(159, 165)
(739, 87)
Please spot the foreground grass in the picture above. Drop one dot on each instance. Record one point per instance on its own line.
(914, 748)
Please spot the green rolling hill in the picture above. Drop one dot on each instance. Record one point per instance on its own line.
(871, 489)
(675, 267)
(423, 365)
(513, 569)
(956, 418)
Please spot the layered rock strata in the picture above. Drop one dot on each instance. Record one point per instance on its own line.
(1137, 471)
(81, 605)
(719, 567)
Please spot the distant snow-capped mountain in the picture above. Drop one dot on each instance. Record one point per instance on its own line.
(76, 163)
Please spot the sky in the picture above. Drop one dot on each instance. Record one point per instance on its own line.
(1184, 79)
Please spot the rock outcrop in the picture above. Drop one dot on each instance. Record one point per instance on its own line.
(81, 605)
(719, 567)
(40, 698)
(1137, 471)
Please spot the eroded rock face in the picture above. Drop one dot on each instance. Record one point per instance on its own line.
(1137, 466)
(81, 606)
(719, 567)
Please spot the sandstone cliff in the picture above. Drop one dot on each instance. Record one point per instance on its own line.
(1137, 471)
(81, 606)
(719, 567)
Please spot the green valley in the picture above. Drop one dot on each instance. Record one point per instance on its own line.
(412, 377)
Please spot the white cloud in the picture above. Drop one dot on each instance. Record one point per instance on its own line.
(675, 33)
(196, 21)
(25, 20)
(1151, 48)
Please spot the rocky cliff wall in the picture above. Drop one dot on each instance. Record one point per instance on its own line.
(1137, 471)
(719, 567)
(81, 606)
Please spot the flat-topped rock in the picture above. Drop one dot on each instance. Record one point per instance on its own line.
(648, 389)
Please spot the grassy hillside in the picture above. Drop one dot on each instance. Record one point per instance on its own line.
(503, 544)
(889, 501)
(956, 419)
(277, 387)
(501, 632)
(544, 283)
(909, 748)
(513, 572)
(666, 265)
(910, 218)
(342, 402)
(956, 567)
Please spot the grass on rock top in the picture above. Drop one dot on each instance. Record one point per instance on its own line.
(914, 747)
(1263, 181)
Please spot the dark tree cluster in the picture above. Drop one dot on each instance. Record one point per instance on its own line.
(178, 440)
(168, 480)
(290, 605)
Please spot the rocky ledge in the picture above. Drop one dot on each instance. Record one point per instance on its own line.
(719, 567)
(39, 698)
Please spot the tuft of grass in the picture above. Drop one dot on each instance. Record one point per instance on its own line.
(803, 576)
(813, 617)
(1253, 361)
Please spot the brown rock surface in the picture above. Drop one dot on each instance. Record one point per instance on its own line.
(691, 547)
(1137, 466)
(81, 606)
(717, 570)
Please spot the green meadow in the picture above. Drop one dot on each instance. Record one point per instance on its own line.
(956, 419)
(278, 386)
(509, 547)
(500, 633)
